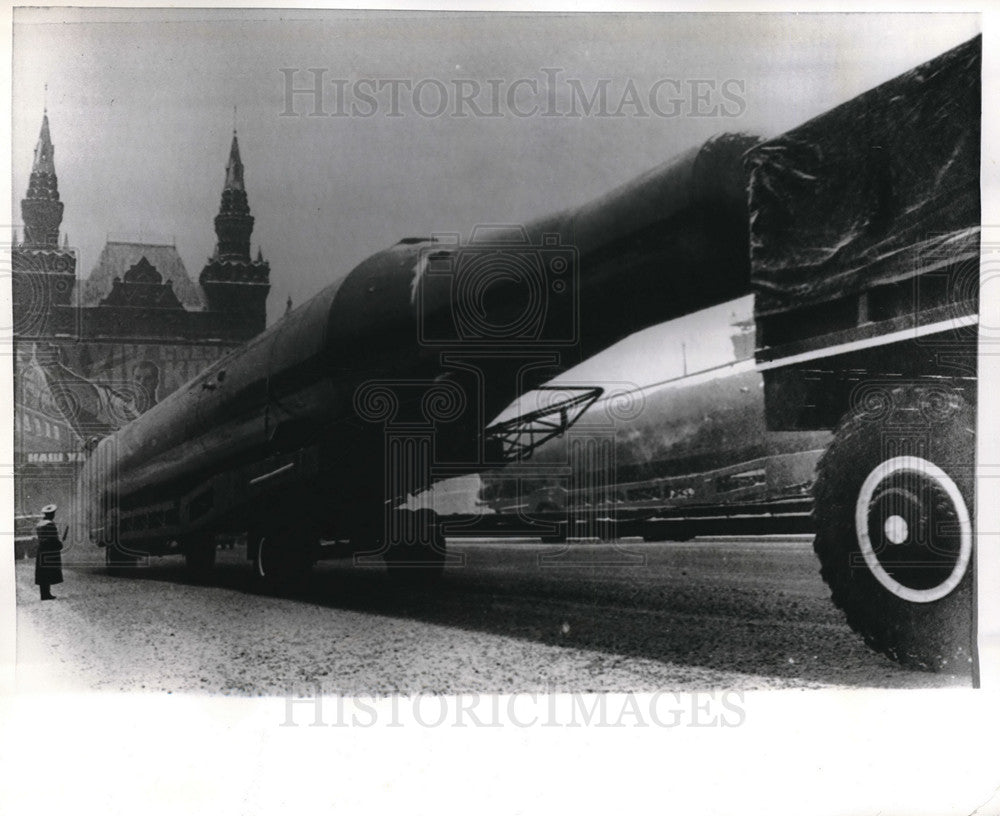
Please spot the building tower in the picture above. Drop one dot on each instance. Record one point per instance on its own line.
(41, 209)
(231, 281)
(43, 273)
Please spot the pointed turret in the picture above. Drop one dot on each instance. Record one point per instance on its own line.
(231, 280)
(234, 170)
(234, 223)
(41, 209)
(44, 162)
(43, 273)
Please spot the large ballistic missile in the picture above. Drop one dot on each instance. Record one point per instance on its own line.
(295, 422)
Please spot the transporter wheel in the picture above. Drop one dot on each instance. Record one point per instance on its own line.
(282, 559)
(415, 554)
(199, 556)
(118, 561)
(893, 512)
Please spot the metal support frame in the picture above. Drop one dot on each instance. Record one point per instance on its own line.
(520, 436)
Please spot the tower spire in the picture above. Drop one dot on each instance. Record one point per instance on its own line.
(234, 224)
(38, 264)
(231, 280)
(44, 159)
(41, 208)
(234, 168)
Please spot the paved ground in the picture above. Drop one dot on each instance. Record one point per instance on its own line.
(515, 616)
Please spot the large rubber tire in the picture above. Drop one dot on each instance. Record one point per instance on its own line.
(415, 555)
(282, 559)
(894, 531)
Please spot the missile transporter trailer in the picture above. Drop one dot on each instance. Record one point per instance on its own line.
(857, 235)
(319, 428)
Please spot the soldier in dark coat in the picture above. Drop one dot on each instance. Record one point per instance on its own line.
(48, 559)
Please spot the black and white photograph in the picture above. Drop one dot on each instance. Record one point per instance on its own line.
(621, 366)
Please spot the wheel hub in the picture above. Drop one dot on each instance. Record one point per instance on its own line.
(913, 529)
(896, 529)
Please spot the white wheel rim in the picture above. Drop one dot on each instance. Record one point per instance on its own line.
(912, 464)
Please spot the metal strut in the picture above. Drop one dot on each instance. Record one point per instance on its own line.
(520, 436)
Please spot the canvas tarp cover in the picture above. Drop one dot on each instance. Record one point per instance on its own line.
(875, 191)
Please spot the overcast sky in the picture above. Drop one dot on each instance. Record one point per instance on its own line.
(141, 109)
